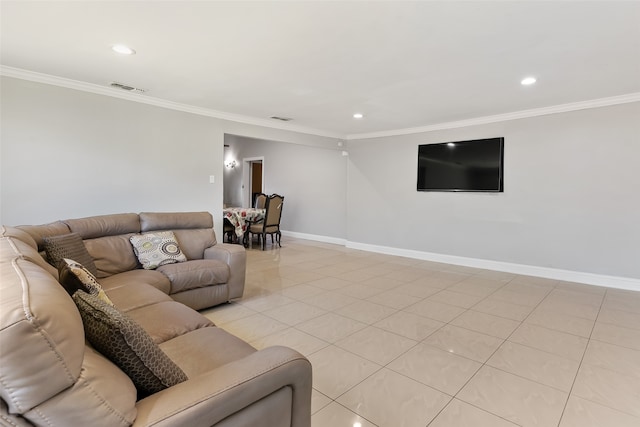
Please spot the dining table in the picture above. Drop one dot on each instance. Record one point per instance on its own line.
(242, 218)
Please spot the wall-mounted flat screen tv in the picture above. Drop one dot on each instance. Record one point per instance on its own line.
(474, 165)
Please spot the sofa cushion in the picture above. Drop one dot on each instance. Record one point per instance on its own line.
(104, 225)
(137, 277)
(194, 242)
(102, 395)
(136, 295)
(30, 252)
(168, 319)
(126, 344)
(41, 335)
(205, 297)
(194, 230)
(74, 276)
(198, 351)
(195, 274)
(156, 249)
(112, 254)
(39, 232)
(151, 221)
(68, 246)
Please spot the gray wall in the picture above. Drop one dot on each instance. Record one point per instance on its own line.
(571, 180)
(67, 153)
(571, 195)
(312, 179)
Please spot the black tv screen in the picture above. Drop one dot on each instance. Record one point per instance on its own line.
(474, 165)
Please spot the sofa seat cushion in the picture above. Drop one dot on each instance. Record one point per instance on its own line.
(195, 274)
(135, 277)
(205, 349)
(166, 320)
(127, 298)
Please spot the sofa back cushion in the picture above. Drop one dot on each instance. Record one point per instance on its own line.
(194, 242)
(48, 375)
(106, 238)
(40, 324)
(104, 225)
(39, 232)
(23, 244)
(193, 230)
(150, 221)
(112, 254)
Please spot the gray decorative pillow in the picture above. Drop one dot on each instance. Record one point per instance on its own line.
(156, 249)
(74, 276)
(125, 343)
(68, 246)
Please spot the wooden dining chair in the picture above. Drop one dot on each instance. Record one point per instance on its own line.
(261, 201)
(271, 223)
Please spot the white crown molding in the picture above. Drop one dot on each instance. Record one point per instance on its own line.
(145, 99)
(563, 108)
(527, 270)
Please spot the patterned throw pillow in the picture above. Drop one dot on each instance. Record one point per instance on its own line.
(74, 276)
(68, 246)
(156, 249)
(125, 343)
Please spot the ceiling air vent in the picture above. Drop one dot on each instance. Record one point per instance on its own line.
(283, 119)
(127, 87)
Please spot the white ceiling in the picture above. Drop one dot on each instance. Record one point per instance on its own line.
(402, 64)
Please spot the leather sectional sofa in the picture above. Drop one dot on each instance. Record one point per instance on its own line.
(51, 375)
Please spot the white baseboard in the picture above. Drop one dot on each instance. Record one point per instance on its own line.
(315, 237)
(616, 282)
(527, 270)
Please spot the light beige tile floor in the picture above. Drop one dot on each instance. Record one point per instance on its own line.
(401, 342)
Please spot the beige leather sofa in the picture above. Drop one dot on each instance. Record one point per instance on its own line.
(49, 374)
(213, 274)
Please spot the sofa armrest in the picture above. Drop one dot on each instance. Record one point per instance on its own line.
(236, 257)
(227, 390)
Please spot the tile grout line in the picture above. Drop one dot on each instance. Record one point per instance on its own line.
(582, 358)
(449, 285)
(494, 352)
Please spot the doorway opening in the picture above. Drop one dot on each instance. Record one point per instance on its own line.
(253, 179)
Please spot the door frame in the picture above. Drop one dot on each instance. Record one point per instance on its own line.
(246, 179)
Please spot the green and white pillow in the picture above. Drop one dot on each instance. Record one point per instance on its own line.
(156, 249)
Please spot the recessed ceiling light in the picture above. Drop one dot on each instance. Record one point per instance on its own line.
(528, 81)
(358, 115)
(122, 49)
